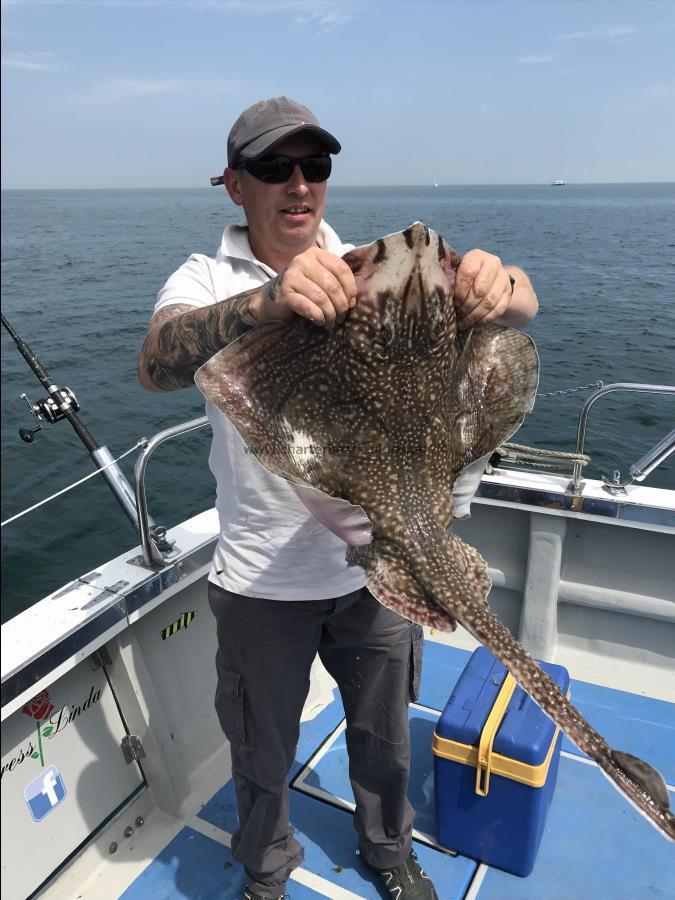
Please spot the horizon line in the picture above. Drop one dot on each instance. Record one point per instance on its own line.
(353, 186)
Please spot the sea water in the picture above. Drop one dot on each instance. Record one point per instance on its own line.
(81, 269)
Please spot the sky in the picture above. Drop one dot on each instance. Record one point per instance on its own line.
(141, 94)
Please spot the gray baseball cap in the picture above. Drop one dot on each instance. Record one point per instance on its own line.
(269, 122)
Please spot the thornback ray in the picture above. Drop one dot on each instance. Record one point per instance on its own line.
(384, 412)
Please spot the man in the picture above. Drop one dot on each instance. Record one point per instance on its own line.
(280, 588)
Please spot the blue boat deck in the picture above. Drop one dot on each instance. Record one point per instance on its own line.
(595, 844)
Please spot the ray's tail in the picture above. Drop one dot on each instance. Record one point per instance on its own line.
(639, 782)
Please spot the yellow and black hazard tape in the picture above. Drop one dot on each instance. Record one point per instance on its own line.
(181, 622)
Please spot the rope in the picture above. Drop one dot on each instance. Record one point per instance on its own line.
(543, 459)
(141, 443)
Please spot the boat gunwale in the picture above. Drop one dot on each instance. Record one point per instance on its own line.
(65, 646)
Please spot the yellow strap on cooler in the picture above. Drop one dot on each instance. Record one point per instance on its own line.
(487, 738)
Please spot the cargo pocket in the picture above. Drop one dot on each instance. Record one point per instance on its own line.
(230, 706)
(416, 650)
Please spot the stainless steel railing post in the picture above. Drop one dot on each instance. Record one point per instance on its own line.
(151, 553)
(575, 484)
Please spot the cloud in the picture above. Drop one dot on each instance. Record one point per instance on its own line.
(659, 91)
(600, 31)
(116, 90)
(534, 60)
(325, 20)
(33, 61)
(320, 16)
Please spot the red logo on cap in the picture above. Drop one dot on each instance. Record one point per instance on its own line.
(300, 122)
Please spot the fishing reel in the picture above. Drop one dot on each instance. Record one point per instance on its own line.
(49, 410)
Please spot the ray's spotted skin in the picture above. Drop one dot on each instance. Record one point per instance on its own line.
(385, 412)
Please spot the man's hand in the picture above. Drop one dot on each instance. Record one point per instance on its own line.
(482, 289)
(316, 285)
(483, 292)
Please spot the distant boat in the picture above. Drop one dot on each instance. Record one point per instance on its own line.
(558, 183)
(435, 184)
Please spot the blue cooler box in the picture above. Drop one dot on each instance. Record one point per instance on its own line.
(495, 811)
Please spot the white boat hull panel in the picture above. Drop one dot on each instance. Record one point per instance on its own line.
(59, 786)
(591, 588)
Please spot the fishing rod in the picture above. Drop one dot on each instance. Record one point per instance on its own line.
(61, 403)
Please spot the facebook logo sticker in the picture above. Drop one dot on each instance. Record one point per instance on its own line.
(44, 793)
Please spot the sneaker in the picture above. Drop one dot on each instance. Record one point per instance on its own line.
(249, 896)
(408, 881)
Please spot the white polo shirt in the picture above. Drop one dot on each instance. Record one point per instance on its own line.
(270, 544)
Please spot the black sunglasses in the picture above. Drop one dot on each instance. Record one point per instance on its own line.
(277, 169)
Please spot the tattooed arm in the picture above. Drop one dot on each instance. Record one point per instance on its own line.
(316, 285)
(182, 337)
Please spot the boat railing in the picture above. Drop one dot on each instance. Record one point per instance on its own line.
(152, 541)
(647, 463)
(157, 551)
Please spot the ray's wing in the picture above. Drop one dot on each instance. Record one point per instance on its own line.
(280, 385)
(494, 385)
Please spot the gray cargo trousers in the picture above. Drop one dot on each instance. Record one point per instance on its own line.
(265, 652)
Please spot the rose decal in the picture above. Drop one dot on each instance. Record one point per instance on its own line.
(40, 707)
